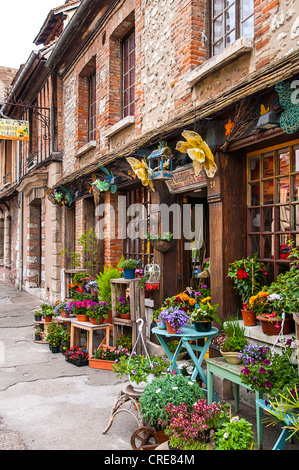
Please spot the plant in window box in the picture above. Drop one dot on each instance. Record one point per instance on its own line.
(248, 275)
(161, 243)
(105, 357)
(204, 314)
(129, 266)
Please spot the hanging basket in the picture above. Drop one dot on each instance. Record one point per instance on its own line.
(162, 245)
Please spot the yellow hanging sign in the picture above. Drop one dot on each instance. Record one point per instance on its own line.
(14, 130)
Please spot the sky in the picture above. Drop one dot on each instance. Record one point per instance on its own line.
(21, 22)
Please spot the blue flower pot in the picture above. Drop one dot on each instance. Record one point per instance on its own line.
(129, 273)
(161, 325)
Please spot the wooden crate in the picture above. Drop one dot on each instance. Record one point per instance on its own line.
(120, 288)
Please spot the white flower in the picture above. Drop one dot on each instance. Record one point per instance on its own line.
(274, 297)
(190, 383)
(225, 435)
(174, 388)
(235, 418)
(158, 390)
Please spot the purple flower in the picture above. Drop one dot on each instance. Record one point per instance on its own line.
(268, 384)
(262, 370)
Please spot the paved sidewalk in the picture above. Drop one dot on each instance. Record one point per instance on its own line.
(45, 402)
(49, 404)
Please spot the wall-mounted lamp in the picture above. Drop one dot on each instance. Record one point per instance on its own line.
(268, 120)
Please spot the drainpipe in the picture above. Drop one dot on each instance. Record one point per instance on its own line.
(21, 211)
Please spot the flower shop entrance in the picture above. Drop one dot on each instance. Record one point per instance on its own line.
(194, 246)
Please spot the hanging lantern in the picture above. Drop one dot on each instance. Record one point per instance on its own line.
(152, 272)
(161, 163)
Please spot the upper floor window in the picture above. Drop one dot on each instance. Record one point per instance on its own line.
(230, 20)
(128, 67)
(92, 107)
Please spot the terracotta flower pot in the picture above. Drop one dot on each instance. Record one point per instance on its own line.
(82, 318)
(48, 318)
(249, 317)
(96, 321)
(64, 314)
(271, 327)
(170, 329)
(100, 364)
(125, 316)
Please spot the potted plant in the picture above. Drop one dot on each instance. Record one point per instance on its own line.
(193, 429)
(47, 312)
(268, 308)
(128, 266)
(38, 315)
(234, 341)
(235, 434)
(63, 309)
(105, 357)
(97, 312)
(124, 342)
(203, 315)
(38, 334)
(81, 309)
(247, 275)
(53, 336)
(270, 371)
(77, 356)
(168, 388)
(92, 287)
(175, 319)
(161, 243)
(140, 369)
(123, 307)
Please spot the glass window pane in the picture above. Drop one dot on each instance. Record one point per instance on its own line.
(269, 267)
(254, 168)
(254, 198)
(268, 246)
(255, 222)
(218, 47)
(284, 249)
(295, 217)
(218, 28)
(268, 165)
(295, 188)
(295, 160)
(230, 19)
(284, 219)
(283, 268)
(283, 190)
(268, 215)
(255, 245)
(283, 162)
(268, 191)
(247, 8)
(217, 7)
(230, 38)
(247, 29)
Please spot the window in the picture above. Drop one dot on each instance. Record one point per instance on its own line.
(128, 68)
(273, 205)
(230, 19)
(92, 107)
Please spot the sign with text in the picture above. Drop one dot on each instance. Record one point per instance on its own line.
(14, 130)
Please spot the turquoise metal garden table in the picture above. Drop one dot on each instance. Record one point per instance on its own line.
(188, 333)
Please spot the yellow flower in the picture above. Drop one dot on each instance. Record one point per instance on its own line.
(199, 152)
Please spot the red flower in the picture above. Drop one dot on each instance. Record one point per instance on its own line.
(241, 274)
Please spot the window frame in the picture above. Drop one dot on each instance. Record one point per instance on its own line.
(273, 232)
(237, 25)
(129, 108)
(92, 108)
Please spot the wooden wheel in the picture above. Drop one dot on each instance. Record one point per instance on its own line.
(143, 439)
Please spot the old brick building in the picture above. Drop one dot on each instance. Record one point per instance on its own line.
(126, 75)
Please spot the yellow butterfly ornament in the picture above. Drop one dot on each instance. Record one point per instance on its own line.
(142, 171)
(199, 152)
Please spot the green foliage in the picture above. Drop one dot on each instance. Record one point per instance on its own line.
(235, 434)
(129, 264)
(234, 335)
(57, 334)
(87, 256)
(104, 285)
(139, 367)
(175, 389)
(187, 444)
(125, 342)
(247, 275)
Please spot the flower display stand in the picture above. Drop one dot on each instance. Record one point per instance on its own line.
(119, 288)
